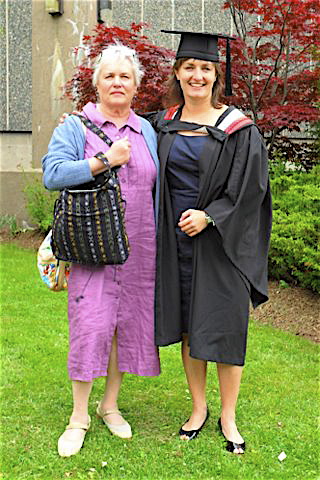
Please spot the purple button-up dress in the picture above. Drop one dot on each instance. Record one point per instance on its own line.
(109, 299)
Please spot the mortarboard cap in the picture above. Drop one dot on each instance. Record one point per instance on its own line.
(204, 46)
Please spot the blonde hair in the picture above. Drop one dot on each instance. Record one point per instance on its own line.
(117, 53)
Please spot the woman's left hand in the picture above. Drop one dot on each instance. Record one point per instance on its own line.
(192, 222)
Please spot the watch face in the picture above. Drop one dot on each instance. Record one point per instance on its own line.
(208, 218)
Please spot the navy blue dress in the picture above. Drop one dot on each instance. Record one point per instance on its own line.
(183, 180)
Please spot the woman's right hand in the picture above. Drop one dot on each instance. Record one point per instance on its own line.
(65, 115)
(119, 152)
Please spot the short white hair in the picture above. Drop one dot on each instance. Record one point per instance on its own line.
(117, 53)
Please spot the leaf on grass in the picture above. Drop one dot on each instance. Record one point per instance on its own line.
(178, 454)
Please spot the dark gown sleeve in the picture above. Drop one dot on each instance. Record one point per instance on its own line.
(242, 214)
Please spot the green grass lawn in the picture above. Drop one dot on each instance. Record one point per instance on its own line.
(277, 411)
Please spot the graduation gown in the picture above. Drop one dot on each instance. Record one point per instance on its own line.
(229, 258)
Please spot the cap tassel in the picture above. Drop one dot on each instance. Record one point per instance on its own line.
(228, 86)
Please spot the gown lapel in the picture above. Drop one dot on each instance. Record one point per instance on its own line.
(208, 159)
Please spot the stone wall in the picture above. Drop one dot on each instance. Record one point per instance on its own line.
(16, 103)
(16, 65)
(190, 15)
(53, 39)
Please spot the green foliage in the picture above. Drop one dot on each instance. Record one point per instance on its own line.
(9, 221)
(294, 254)
(40, 202)
(283, 284)
(277, 408)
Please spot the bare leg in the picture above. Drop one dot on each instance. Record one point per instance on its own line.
(113, 383)
(71, 440)
(81, 392)
(196, 372)
(229, 381)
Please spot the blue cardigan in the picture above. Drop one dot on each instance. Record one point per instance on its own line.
(64, 164)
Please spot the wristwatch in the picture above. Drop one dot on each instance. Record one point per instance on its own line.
(103, 157)
(208, 218)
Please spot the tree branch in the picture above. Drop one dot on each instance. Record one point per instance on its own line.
(276, 64)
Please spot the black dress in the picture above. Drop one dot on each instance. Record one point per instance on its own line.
(229, 260)
(183, 180)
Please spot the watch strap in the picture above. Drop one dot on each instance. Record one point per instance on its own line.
(102, 156)
(208, 218)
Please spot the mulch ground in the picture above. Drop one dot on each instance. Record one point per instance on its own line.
(291, 308)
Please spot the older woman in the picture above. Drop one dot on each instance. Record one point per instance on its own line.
(214, 228)
(111, 308)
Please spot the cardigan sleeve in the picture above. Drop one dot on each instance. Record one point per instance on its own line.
(151, 140)
(64, 165)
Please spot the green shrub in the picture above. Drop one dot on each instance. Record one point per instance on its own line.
(294, 254)
(40, 202)
(9, 221)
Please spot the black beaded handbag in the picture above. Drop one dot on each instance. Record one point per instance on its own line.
(89, 225)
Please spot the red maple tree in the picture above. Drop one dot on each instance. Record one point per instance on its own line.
(274, 62)
(156, 62)
(274, 65)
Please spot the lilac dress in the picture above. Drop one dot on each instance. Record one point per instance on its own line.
(109, 299)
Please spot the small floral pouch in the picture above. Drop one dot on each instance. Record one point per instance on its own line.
(54, 273)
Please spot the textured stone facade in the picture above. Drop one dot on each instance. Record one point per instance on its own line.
(16, 65)
(193, 15)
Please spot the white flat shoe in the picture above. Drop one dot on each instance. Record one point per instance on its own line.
(71, 443)
(122, 430)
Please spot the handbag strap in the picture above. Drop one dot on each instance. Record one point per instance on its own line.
(95, 129)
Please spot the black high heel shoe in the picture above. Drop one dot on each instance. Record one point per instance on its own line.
(192, 434)
(231, 446)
